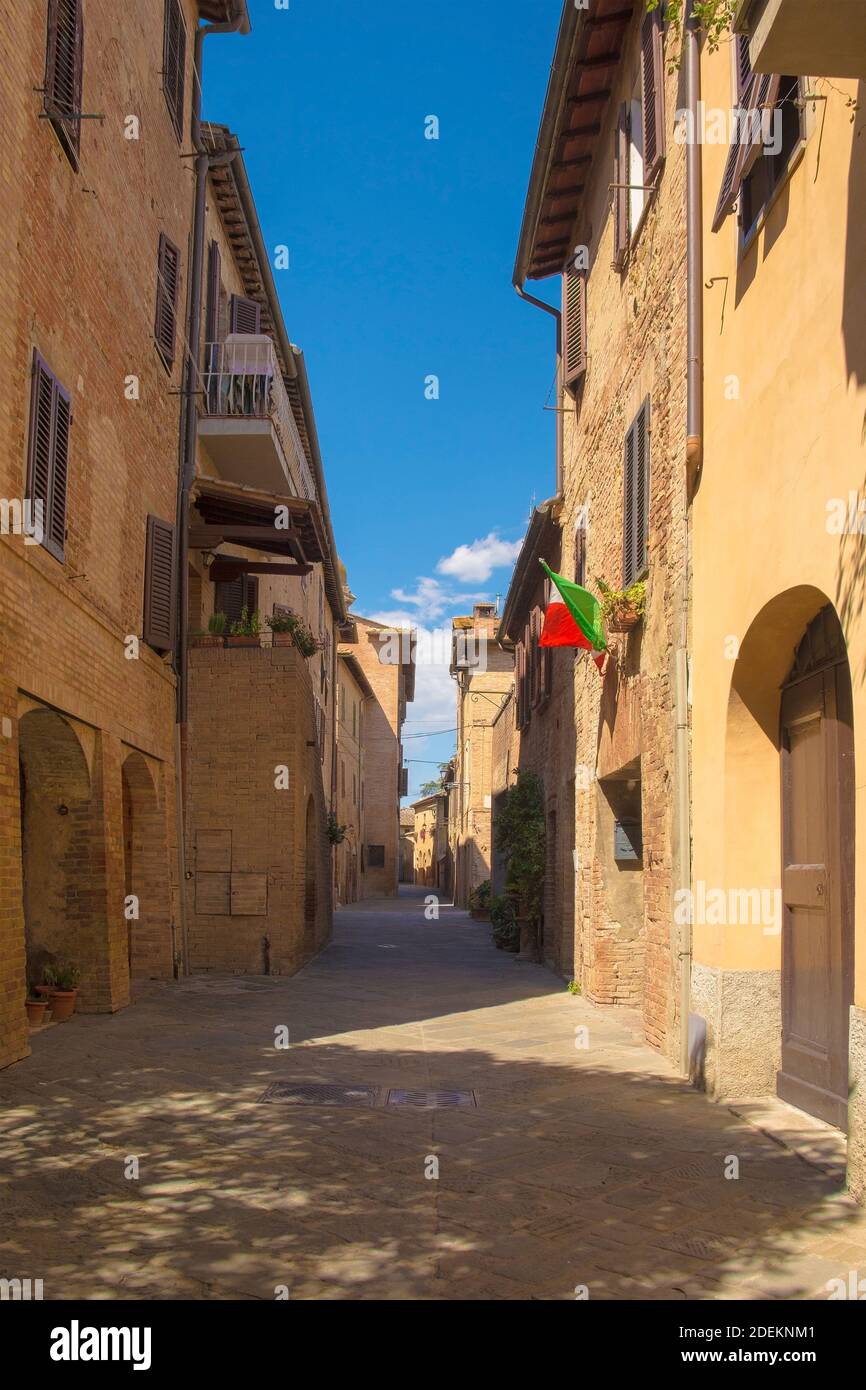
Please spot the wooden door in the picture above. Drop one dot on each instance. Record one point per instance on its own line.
(817, 891)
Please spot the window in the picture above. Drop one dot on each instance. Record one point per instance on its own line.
(48, 455)
(520, 684)
(580, 549)
(620, 191)
(174, 63)
(573, 326)
(232, 596)
(159, 567)
(652, 94)
(639, 148)
(376, 856)
(354, 719)
(636, 497)
(167, 288)
(772, 158)
(64, 73)
(245, 315)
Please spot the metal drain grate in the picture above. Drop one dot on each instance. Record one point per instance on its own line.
(318, 1093)
(432, 1100)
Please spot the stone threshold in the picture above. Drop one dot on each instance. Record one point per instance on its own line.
(815, 1142)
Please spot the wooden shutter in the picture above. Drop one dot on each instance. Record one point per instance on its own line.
(174, 63)
(545, 654)
(636, 470)
(167, 288)
(246, 315)
(762, 92)
(48, 454)
(520, 683)
(620, 192)
(64, 73)
(743, 65)
(580, 555)
(159, 567)
(574, 325)
(652, 93)
(214, 281)
(233, 595)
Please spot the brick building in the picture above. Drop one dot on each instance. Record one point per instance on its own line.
(484, 675)
(604, 214)
(430, 835)
(354, 694)
(387, 659)
(89, 428)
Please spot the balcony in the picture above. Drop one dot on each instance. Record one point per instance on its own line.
(246, 425)
(805, 38)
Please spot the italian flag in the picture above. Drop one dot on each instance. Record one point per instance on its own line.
(576, 621)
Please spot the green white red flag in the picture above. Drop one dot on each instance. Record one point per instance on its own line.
(575, 621)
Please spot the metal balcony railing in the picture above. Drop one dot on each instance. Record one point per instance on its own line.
(242, 378)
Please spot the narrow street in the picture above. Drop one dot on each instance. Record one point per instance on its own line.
(578, 1166)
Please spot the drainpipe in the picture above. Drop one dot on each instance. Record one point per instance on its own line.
(694, 452)
(549, 309)
(239, 23)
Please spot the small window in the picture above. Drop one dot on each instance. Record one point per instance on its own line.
(636, 497)
(48, 457)
(174, 63)
(167, 290)
(64, 73)
(785, 131)
(376, 856)
(580, 550)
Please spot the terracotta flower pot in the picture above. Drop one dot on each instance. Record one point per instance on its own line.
(283, 639)
(44, 991)
(36, 1010)
(207, 639)
(623, 622)
(63, 1004)
(236, 639)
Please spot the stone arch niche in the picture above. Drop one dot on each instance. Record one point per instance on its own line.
(147, 894)
(58, 873)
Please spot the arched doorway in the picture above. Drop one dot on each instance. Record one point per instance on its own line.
(817, 751)
(58, 875)
(311, 895)
(146, 887)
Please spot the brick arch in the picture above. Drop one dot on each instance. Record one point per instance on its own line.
(149, 939)
(56, 823)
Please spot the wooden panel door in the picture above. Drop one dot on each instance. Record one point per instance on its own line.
(817, 892)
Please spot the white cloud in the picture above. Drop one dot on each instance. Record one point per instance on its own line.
(476, 562)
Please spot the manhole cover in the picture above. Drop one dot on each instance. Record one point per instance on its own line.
(318, 1093)
(431, 1100)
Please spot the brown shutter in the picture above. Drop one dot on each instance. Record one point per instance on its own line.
(159, 566)
(545, 654)
(233, 595)
(520, 683)
(574, 325)
(167, 288)
(246, 315)
(580, 555)
(763, 91)
(629, 549)
(620, 192)
(652, 93)
(64, 73)
(48, 454)
(214, 281)
(642, 482)
(174, 63)
(743, 66)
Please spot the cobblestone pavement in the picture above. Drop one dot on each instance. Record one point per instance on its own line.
(589, 1166)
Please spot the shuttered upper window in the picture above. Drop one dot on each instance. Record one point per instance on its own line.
(64, 73)
(574, 326)
(159, 568)
(245, 315)
(636, 497)
(620, 189)
(174, 63)
(167, 289)
(234, 595)
(48, 456)
(652, 61)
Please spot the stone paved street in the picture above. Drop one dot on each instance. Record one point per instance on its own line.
(594, 1167)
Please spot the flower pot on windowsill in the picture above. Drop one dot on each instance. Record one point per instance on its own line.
(206, 639)
(282, 639)
(63, 1004)
(242, 639)
(623, 621)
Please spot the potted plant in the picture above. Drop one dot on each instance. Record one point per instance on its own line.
(65, 993)
(246, 630)
(215, 635)
(506, 929)
(49, 981)
(290, 628)
(479, 900)
(36, 1010)
(622, 609)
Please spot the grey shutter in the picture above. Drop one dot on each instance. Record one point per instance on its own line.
(174, 63)
(159, 568)
(246, 315)
(64, 73)
(167, 288)
(620, 192)
(629, 556)
(652, 93)
(574, 325)
(48, 454)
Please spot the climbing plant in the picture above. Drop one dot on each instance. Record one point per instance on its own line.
(519, 830)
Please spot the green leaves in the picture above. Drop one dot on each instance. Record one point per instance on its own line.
(520, 836)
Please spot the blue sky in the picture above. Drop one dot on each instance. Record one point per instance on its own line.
(401, 252)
